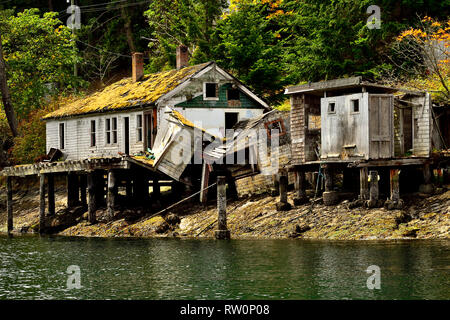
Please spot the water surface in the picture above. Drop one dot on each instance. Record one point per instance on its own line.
(35, 268)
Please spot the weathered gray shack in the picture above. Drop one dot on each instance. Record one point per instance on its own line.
(351, 123)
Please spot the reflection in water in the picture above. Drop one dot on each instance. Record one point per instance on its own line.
(35, 268)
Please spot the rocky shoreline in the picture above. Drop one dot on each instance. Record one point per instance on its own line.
(423, 217)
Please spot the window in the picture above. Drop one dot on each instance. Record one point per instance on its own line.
(355, 105)
(332, 107)
(233, 94)
(139, 127)
(314, 122)
(108, 131)
(93, 130)
(61, 136)
(114, 130)
(277, 126)
(211, 91)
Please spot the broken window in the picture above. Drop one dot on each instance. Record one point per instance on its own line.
(355, 105)
(93, 130)
(277, 126)
(211, 91)
(233, 94)
(61, 136)
(139, 127)
(108, 131)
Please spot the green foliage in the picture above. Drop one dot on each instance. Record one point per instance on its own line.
(39, 56)
(175, 22)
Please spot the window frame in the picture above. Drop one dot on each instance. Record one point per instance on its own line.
(352, 106)
(139, 128)
(216, 98)
(108, 131)
(62, 135)
(238, 94)
(114, 126)
(93, 133)
(329, 111)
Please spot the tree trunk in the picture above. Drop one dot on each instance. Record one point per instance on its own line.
(128, 30)
(6, 96)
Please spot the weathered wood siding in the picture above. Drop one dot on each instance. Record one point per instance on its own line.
(344, 133)
(78, 136)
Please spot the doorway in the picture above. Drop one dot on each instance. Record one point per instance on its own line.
(127, 135)
(150, 128)
(231, 118)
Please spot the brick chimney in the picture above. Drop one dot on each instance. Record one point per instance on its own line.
(182, 56)
(137, 66)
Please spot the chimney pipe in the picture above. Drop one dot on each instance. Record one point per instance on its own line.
(182, 56)
(137, 66)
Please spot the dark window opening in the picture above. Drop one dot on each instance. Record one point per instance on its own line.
(108, 131)
(233, 94)
(355, 105)
(139, 127)
(114, 130)
(211, 90)
(332, 107)
(61, 136)
(275, 127)
(93, 130)
(231, 118)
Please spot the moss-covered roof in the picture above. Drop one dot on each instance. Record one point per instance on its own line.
(125, 93)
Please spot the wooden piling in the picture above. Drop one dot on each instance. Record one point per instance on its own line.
(111, 197)
(51, 194)
(395, 185)
(364, 183)
(73, 190)
(330, 197)
(204, 182)
(300, 193)
(222, 232)
(156, 193)
(91, 188)
(83, 187)
(283, 204)
(9, 204)
(373, 201)
(41, 203)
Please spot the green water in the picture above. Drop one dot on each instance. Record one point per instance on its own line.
(35, 268)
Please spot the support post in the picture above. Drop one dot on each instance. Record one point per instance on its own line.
(73, 190)
(9, 204)
(364, 183)
(283, 205)
(222, 232)
(83, 186)
(51, 194)
(92, 206)
(330, 197)
(41, 203)
(427, 187)
(394, 202)
(156, 193)
(300, 193)
(111, 197)
(276, 186)
(373, 190)
(204, 183)
(129, 189)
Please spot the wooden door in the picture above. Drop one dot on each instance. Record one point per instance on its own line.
(381, 126)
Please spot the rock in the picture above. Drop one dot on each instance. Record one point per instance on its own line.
(355, 204)
(392, 205)
(426, 188)
(162, 228)
(330, 198)
(283, 206)
(172, 219)
(402, 217)
(410, 232)
(298, 230)
(300, 201)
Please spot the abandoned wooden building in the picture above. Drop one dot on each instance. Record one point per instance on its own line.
(119, 135)
(350, 125)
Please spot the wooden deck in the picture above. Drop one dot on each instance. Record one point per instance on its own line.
(86, 165)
